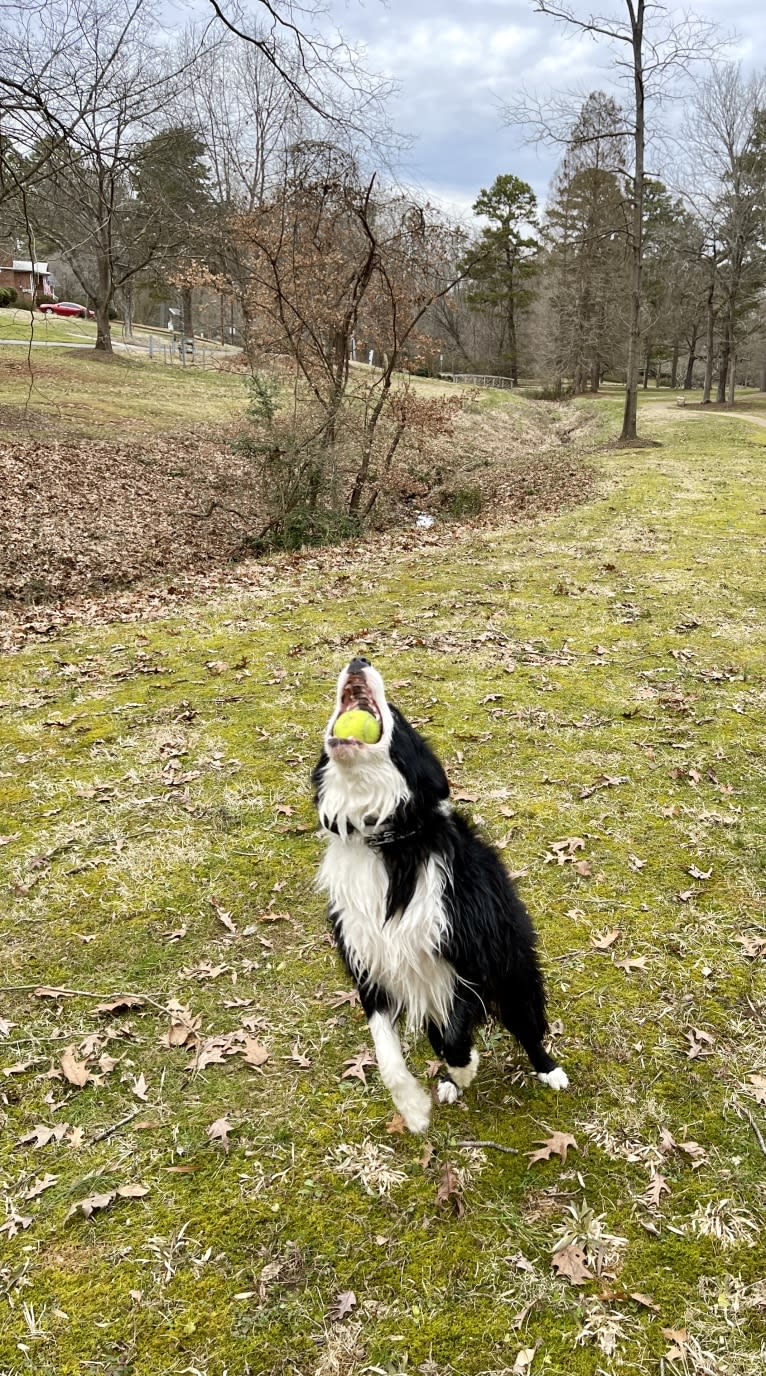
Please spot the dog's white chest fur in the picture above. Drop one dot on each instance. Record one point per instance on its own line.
(401, 955)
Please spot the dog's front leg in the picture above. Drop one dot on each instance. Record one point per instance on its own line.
(411, 1099)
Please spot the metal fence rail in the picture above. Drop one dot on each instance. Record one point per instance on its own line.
(479, 380)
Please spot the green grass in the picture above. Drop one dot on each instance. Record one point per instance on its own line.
(62, 394)
(16, 323)
(599, 675)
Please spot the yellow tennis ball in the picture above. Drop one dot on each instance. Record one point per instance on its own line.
(362, 726)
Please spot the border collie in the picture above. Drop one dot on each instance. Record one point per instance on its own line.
(424, 914)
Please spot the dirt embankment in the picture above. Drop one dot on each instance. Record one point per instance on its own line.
(89, 519)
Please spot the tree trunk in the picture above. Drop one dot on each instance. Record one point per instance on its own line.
(723, 365)
(511, 325)
(674, 364)
(127, 310)
(187, 316)
(647, 366)
(103, 303)
(636, 246)
(732, 377)
(690, 362)
(709, 343)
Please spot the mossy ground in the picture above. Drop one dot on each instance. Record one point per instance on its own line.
(598, 675)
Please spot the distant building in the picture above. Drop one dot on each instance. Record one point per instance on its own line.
(31, 280)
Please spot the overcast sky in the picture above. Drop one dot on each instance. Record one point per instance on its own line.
(457, 62)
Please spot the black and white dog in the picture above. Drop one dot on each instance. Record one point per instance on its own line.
(424, 914)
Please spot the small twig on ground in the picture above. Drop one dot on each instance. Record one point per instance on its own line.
(100, 1137)
(93, 994)
(497, 1146)
(219, 506)
(745, 1113)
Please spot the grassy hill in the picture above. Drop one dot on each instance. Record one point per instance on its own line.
(594, 680)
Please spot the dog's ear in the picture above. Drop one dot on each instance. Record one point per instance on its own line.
(417, 762)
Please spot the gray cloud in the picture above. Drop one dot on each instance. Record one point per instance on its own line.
(456, 64)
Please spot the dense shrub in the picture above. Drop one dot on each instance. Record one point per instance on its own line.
(8, 296)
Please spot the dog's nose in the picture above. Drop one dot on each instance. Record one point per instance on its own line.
(356, 665)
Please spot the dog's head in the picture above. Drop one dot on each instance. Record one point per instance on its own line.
(360, 786)
(359, 686)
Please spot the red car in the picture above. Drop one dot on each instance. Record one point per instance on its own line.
(67, 308)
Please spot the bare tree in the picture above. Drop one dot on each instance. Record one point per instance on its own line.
(323, 74)
(94, 108)
(729, 118)
(651, 48)
(333, 263)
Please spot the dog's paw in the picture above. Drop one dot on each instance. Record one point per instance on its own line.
(463, 1075)
(555, 1079)
(447, 1092)
(415, 1108)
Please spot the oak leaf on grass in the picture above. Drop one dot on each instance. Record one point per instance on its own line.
(355, 1066)
(569, 1262)
(75, 1072)
(558, 1142)
(219, 1132)
(449, 1192)
(344, 1302)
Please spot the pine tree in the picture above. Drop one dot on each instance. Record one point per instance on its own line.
(500, 278)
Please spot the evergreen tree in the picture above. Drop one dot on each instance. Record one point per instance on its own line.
(500, 277)
(585, 235)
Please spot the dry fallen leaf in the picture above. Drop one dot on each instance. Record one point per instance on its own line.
(120, 1003)
(298, 1058)
(602, 943)
(356, 1065)
(95, 1202)
(569, 1262)
(184, 1026)
(15, 1223)
(135, 1191)
(632, 963)
(41, 1135)
(223, 916)
(39, 1185)
(349, 996)
(75, 1072)
(752, 946)
(657, 1187)
(558, 1142)
(759, 1088)
(219, 1132)
(449, 1191)
(342, 1305)
(140, 1087)
(396, 1124)
(253, 1053)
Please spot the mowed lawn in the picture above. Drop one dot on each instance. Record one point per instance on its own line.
(200, 1173)
(52, 394)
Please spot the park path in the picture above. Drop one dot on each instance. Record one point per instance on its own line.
(691, 413)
